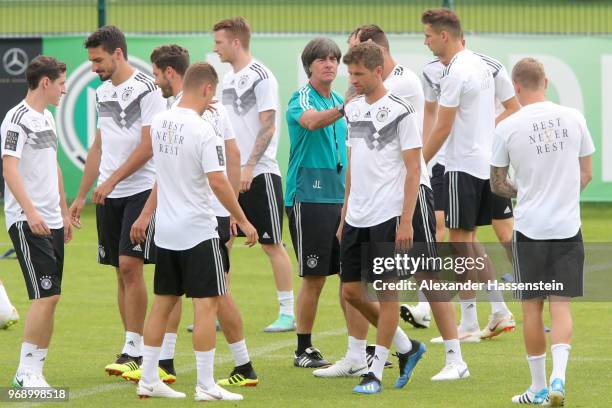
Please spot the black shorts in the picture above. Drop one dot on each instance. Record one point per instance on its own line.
(468, 201)
(353, 238)
(552, 260)
(263, 206)
(437, 185)
(41, 259)
(114, 220)
(502, 208)
(313, 229)
(196, 272)
(223, 229)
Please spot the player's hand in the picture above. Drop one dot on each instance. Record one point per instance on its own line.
(404, 235)
(339, 230)
(246, 178)
(67, 229)
(37, 224)
(75, 212)
(250, 232)
(211, 106)
(233, 227)
(102, 191)
(138, 232)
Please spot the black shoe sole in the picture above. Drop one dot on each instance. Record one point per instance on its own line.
(408, 318)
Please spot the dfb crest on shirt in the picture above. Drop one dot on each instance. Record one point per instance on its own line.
(354, 115)
(242, 82)
(36, 125)
(383, 114)
(127, 93)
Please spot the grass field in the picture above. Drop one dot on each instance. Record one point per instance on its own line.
(296, 16)
(88, 335)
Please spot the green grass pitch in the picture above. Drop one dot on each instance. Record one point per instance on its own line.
(88, 334)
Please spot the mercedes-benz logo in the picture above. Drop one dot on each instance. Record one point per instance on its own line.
(15, 61)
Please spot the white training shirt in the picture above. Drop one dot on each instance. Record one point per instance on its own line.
(543, 143)
(377, 135)
(467, 84)
(224, 131)
(504, 90)
(31, 137)
(185, 148)
(122, 112)
(406, 84)
(246, 93)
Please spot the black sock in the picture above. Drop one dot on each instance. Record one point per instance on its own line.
(167, 365)
(245, 368)
(304, 341)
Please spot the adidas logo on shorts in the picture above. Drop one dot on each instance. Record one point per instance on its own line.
(137, 247)
(507, 210)
(265, 235)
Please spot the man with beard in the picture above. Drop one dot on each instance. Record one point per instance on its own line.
(120, 159)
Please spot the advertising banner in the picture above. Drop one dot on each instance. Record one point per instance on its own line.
(15, 54)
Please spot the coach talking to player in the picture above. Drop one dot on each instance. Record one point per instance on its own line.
(315, 185)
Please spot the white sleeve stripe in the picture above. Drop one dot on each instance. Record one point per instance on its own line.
(304, 99)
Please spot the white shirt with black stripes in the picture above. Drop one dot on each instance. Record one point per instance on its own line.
(378, 133)
(122, 112)
(245, 94)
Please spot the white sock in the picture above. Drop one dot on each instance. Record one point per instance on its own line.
(205, 361)
(452, 351)
(285, 300)
(40, 355)
(496, 298)
(537, 367)
(560, 354)
(27, 357)
(240, 352)
(356, 351)
(380, 357)
(167, 347)
(5, 304)
(423, 303)
(133, 344)
(469, 315)
(401, 341)
(150, 361)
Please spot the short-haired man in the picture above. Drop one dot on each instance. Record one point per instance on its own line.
(404, 83)
(501, 319)
(315, 186)
(35, 208)
(119, 158)
(250, 94)
(169, 65)
(465, 123)
(544, 141)
(189, 259)
(384, 156)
